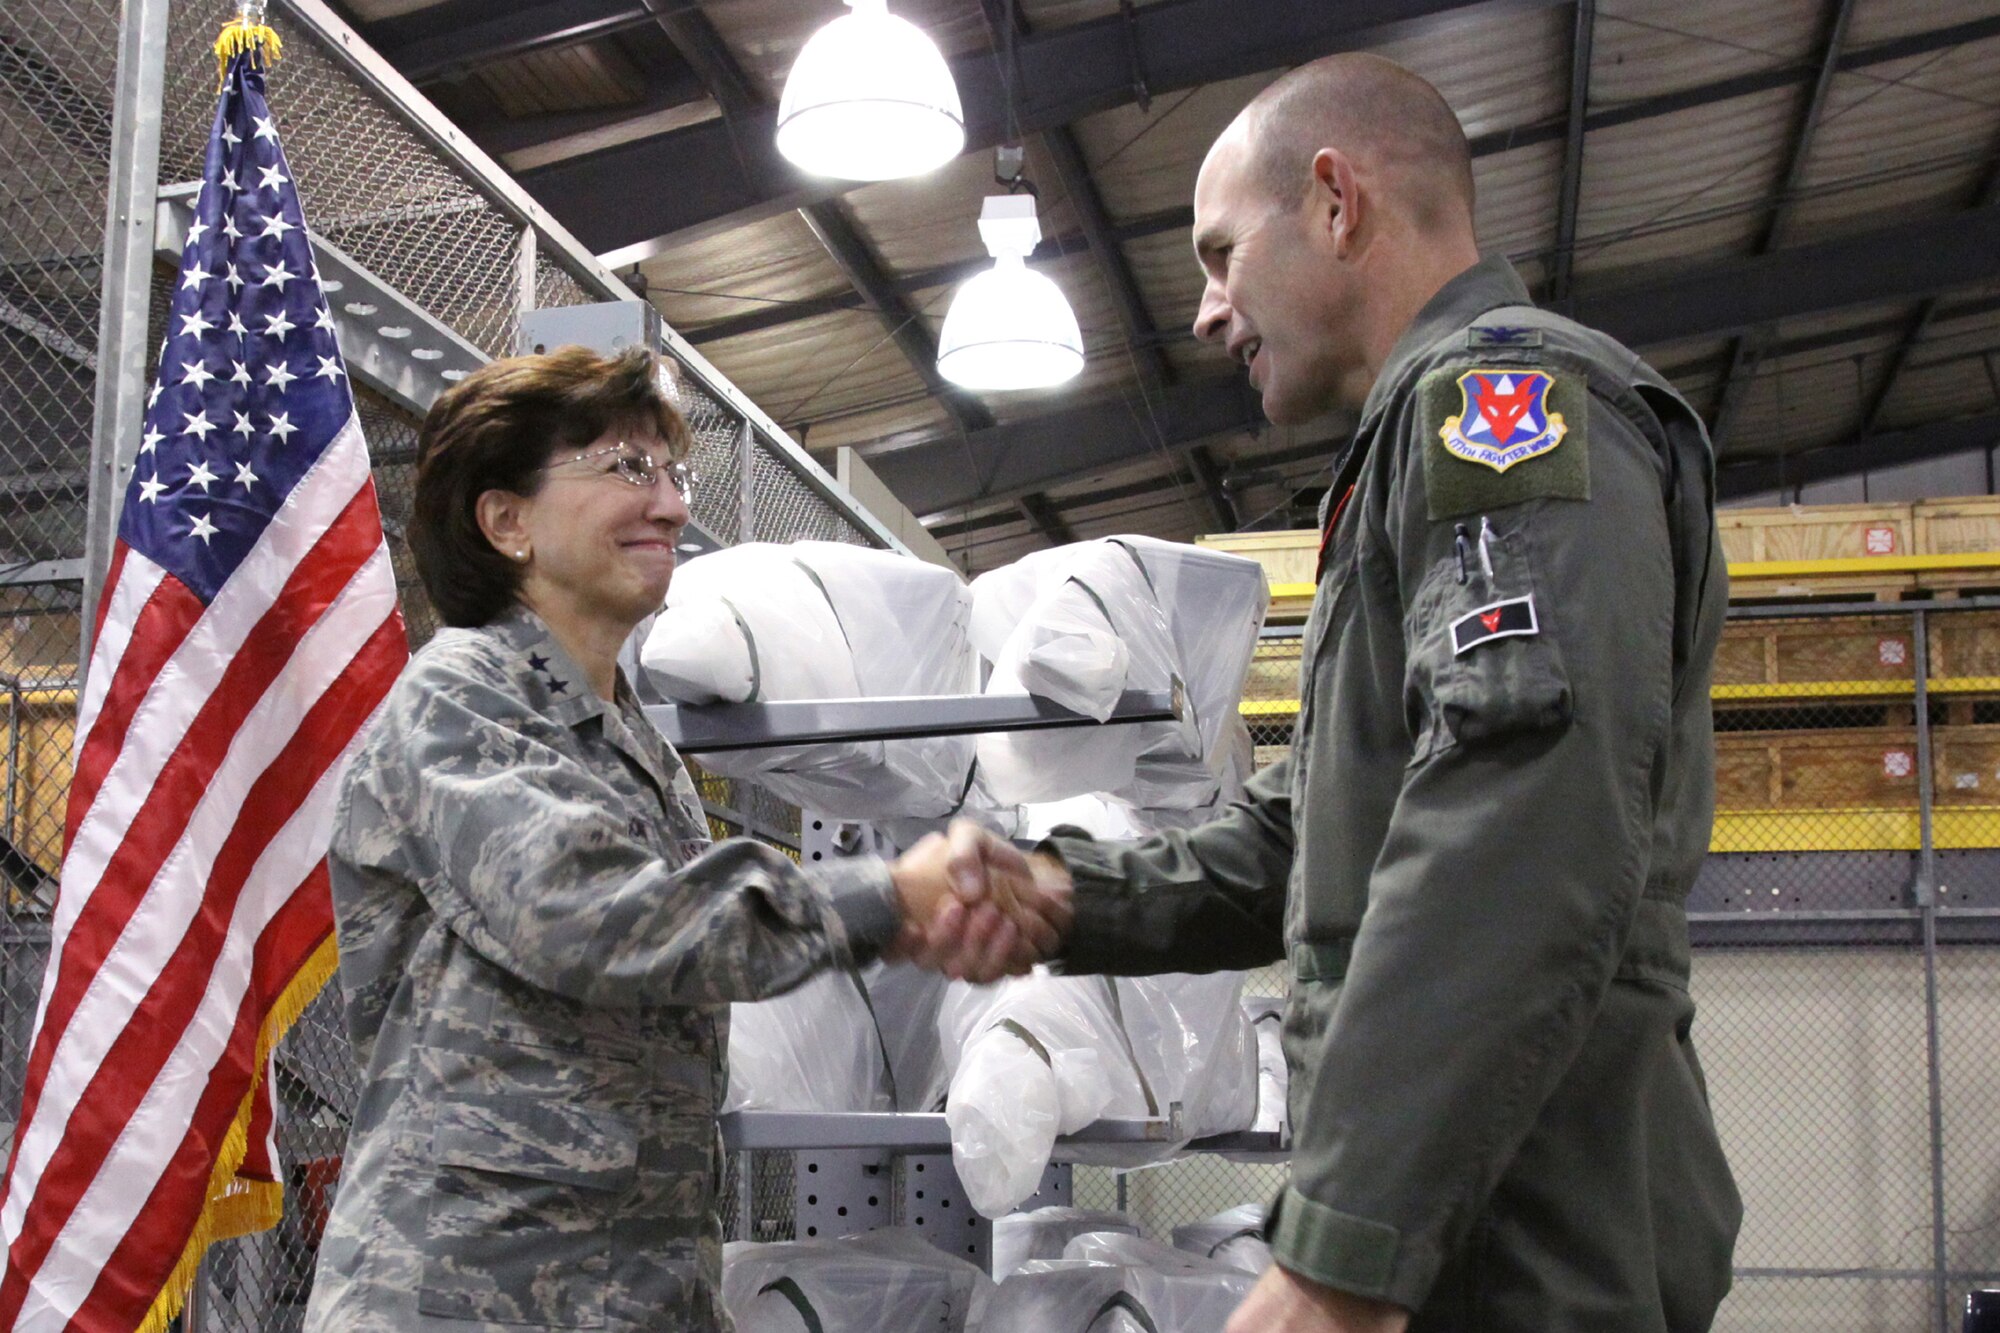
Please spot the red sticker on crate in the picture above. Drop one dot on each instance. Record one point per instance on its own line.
(1893, 652)
(1898, 763)
(1880, 541)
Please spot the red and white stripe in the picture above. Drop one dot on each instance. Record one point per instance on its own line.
(193, 888)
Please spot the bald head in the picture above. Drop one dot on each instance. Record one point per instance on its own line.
(1376, 112)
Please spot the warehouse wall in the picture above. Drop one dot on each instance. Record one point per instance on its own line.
(1925, 479)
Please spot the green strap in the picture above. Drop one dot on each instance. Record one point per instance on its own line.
(1321, 962)
(1122, 1300)
(1033, 1042)
(789, 1289)
(881, 1043)
(1131, 1053)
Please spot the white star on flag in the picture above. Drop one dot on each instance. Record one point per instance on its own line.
(229, 228)
(240, 375)
(265, 129)
(278, 375)
(242, 426)
(197, 425)
(149, 440)
(194, 277)
(202, 528)
(196, 230)
(193, 323)
(196, 373)
(325, 320)
(281, 426)
(199, 475)
(153, 395)
(236, 325)
(244, 476)
(231, 137)
(329, 368)
(277, 275)
(150, 488)
(274, 177)
(277, 326)
(234, 280)
(275, 225)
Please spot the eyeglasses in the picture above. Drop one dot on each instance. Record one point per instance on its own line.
(639, 468)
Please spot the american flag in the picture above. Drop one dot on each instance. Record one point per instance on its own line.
(246, 633)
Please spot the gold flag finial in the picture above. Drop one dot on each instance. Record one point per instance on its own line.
(246, 32)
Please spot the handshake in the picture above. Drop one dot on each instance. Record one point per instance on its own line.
(975, 908)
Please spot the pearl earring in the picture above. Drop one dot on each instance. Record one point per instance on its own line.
(520, 555)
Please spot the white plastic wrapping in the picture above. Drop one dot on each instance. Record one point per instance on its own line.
(843, 1041)
(1019, 1238)
(1066, 1296)
(1122, 1248)
(1036, 1057)
(888, 1279)
(823, 620)
(1234, 1236)
(815, 1048)
(1267, 1020)
(1083, 623)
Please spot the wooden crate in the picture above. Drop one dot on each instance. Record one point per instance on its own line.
(1844, 652)
(1956, 527)
(1860, 768)
(1291, 556)
(1815, 532)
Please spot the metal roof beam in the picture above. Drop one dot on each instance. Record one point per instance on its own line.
(1913, 259)
(1069, 73)
(1866, 453)
(460, 35)
(1181, 218)
(1920, 323)
(1066, 74)
(703, 48)
(1041, 514)
(1748, 350)
(1570, 189)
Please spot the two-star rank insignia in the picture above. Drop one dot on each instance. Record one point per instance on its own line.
(1513, 618)
(1504, 418)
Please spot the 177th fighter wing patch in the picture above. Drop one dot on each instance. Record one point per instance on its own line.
(1498, 435)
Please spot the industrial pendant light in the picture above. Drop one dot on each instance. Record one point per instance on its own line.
(870, 99)
(1009, 327)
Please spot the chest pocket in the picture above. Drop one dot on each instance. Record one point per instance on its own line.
(1483, 660)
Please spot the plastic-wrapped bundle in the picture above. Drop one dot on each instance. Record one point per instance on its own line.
(1040, 1056)
(1019, 1238)
(1234, 1236)
(761, 623)
(1122, 1248)
(843, 1041)
(888, 1279)
(1067, 1296)
(815, 1048)
(1274, 1078)
(1083, 623)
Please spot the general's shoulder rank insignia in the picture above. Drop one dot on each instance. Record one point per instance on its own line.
(1504, 418)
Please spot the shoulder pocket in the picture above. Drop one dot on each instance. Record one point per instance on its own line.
(1483, 662)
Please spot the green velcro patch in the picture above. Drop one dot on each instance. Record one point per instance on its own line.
(1497, 435)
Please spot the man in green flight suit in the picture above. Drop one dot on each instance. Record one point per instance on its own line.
(1501, 784)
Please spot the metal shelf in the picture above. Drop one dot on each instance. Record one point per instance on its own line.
(918, 1133)
(717, 727)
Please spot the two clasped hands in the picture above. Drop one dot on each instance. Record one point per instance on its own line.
(976, 908)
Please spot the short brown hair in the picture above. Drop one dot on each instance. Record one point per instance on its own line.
(496, 430)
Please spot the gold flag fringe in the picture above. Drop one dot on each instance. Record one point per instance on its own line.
(239, 1208)
(240, 35)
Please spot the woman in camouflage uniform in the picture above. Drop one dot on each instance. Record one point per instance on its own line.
(538, 942)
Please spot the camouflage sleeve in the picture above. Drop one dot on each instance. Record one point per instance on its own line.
(533, 860)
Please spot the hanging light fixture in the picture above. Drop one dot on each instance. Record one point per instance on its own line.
(870, 99)
(1009, 327)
